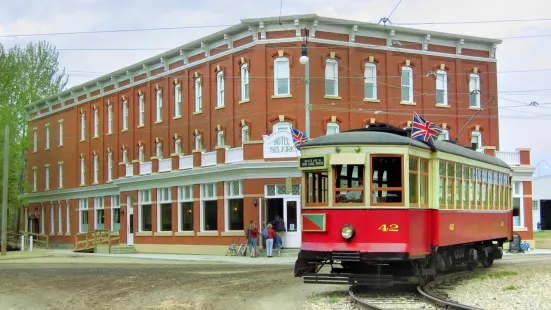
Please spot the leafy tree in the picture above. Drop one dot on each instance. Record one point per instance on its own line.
(27, 74)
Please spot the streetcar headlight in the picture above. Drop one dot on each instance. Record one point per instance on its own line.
(347, 231)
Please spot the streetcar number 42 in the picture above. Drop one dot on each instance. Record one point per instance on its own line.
(387, 228)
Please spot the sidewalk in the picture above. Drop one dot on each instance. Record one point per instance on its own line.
(531, 252)
(182, 257)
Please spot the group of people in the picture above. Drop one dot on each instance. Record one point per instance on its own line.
(273, 234)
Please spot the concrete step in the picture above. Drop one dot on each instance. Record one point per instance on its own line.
(123, 249)
(284, 252)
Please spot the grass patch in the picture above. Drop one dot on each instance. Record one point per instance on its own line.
(543, 239)
(493, 274)
(511, 287)
(330, 297)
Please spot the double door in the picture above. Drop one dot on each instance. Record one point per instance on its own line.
(288, 209)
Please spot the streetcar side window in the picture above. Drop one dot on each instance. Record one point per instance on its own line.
(349, 183)
(316, 188)
(387, 180)
(418, 181)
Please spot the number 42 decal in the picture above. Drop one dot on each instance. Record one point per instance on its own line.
(387, 228)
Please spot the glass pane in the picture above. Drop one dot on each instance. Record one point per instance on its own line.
(424, 180)
(440, 96)
(424, 166)
(330, 87)
(271, 191)
(210, 215)
(442, 168)
(296, 189)
(236, 214)
(291, 220)
(413, 194)
(405, 78)
(187, 216)
(369, 89)
(413, 164)
(405, 93)
(282, 86)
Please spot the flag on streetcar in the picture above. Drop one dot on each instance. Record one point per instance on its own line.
(424, 130)
(299, 137)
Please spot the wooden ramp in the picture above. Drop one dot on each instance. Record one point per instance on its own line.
(87, 242)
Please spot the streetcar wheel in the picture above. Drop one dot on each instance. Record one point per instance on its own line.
(471, 266)
(487, 262)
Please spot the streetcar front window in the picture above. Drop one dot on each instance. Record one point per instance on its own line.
(316, 188)
(349, 183)
(387, 180)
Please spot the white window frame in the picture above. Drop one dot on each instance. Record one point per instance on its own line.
(332, 76)
(177, 146)
(115, 207)
(83, 207)
(332, 127)
(229, 195)
(442, 85)
(159, 150)
(198, 95)
(474, 86)
(35, 179)
(245, 82)
(198, 143)
(141, 111)
(141, 154)
(220, 89)
(42, 219)
(125, 155)
(159, 105)
(410, 86)
(82, 171)
(444, 135)
(52, 220)
(109, 166)
(285, 78)
(204, 197)
(68, 219)
(96, 123)
(245, 135)
(164, 196)
(182, 198)
(47, 137)
(477, 135)
(59, 220)
(220, 138)
(82, 126)
(281, 126)
(47, 177)
(143, 200)
(370, 68)
(99, 204)
(110, 119)
(125, 115)
(177, 100)
(518, 194)
(96, 169)
(35, 140)
(60, 174)
(60, 127)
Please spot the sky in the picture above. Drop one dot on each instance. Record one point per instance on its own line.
(523, 57)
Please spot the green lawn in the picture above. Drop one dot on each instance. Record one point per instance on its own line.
(543, 239)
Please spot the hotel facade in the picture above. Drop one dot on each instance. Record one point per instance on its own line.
(180, 151)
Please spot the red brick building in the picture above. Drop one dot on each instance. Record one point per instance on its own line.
(176, 152)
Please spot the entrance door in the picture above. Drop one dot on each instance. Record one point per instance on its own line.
(291, 215)
(129, 222)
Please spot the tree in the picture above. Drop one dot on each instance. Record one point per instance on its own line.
(27, 74)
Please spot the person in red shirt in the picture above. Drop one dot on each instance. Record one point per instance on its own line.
(253, 233)
(270, 240)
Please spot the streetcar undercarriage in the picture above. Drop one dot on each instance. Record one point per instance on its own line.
(388, 269)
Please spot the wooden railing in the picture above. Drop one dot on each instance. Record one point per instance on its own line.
(41, 240)
(88, 241)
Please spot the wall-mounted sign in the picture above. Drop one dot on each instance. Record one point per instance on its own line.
(311, 162)
(279, 145)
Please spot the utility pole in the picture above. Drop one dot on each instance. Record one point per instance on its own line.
(5, 173)
(305, 60)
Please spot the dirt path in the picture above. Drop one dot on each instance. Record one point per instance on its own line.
(94, 283)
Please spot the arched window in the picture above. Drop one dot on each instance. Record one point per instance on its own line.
(407, 84)
(159, 150)
(282, 81)
(370, 81)
(332, 128)
(474, 91)
(476, 140)
(444, 135)
(220, 141)
(244, 133)
(331, 77)
(441, 87)
(244, 82)
(281, 126)
(198, 143)
(220, 89)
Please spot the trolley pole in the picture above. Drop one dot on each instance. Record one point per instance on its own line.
(5, 173)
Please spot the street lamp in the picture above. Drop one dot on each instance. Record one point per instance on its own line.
(539, 163)
(305, 60)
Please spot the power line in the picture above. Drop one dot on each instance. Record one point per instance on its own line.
(477, 22)
(397, 5)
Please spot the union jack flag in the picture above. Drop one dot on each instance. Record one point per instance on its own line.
(299, 137)
(423, 130)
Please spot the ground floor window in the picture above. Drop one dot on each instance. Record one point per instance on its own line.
(236, 221)
(84, 221)
(116, 215)
(145, 223)
(186, 214)
(210, 215)
(166, 217)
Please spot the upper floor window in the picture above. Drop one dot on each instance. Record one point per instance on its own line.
(244, 133)
(82, 171)
(47, 177)
(476, 140)
(159, 150)
(282, 81)
(370, 81)
(220, 89)
(331, 77)
(35, 179)
(281, 126)
(244, 82)
(198, 95)
(198, 144)
(444, 135)
(177, 146)
(96, 169)
(441, 87)
(220, 141)
(125, 115)
(332, 128)
(159, 104)
(35, 140)
(60, 174)
(60, 124)
(96, 122)
(47, 136)
(110, 119)
(82, 127)
(407, 84)
(141, 154)
(177, 100)
(125, 155)
(474, 90)
(141, 111)
(109, 166)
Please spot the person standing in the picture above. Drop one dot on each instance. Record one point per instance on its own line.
(253, 234)
(247, 235)
(279, 227)
(270, 241)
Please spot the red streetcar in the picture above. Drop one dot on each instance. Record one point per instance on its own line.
(381, 208)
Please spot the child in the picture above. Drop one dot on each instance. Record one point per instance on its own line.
(253, 233)
(270, 241)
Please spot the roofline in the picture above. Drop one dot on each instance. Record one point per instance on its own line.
(244, 25)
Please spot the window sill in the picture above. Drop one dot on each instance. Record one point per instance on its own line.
(60, 234)
(67, 234)
(82, 184)
(47, 149)
(371, 100)
(109, 133)
(52, 234)
(123, 163)
(124, 130)
(175, 154)
(198, 151)
(519, 228)
(135, 161)
(61, 145)
(60, 187)
(332, 97)
(140, 126)
(281, 96)
(144, 234)
(155, 157)
(35, 191)
(158, 122)
(474, 108)
(222, 147)
(220, 107)
(82, 140)
(95, 183)
(95, 137)
(236, 233)
(207, 234)
(184, 234)
(163, 234)
(109, 181)
(244, 101)
(198, 112)
(177, 117)
(442, 106)
(34, 152)
(408, 103)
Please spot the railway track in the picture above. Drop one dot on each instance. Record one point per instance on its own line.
(431, 296)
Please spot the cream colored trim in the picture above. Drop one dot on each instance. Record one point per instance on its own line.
(207, 234)
(184, 234)
(144, 234)
(163, 234)
(232, 233)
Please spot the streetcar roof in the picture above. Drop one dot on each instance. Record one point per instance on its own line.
(362, 137)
